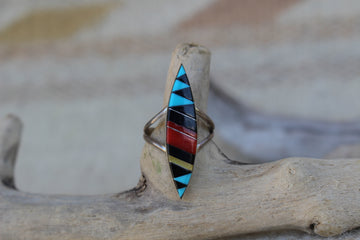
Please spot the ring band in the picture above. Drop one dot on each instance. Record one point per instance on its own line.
(148, 130)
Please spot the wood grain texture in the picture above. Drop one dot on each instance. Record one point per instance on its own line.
(224, 198)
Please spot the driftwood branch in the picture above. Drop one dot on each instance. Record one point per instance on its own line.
(225, 197)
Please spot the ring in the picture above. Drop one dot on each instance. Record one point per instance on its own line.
(181, 131)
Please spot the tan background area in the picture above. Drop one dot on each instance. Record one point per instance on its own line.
(85, 77)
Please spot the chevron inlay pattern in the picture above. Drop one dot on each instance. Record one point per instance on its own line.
(181, 131)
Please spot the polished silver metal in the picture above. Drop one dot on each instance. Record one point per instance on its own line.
(202, 116)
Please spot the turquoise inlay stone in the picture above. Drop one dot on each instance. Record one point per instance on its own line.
(181, 71)
(181, 191)
(176, 100)
(178, 85)
(184, 179)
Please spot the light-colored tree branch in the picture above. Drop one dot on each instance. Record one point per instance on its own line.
(224, 198)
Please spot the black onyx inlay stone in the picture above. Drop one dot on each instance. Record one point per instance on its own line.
(180, 154)
(186, 109)
(185, 92)
(182, 120)
(183, 78)
(178, 171)
(179, 185)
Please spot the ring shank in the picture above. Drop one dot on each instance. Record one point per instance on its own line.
(202, 116)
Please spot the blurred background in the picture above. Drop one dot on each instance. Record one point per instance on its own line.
(85, 76)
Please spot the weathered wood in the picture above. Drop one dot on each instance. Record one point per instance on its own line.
(224, 198)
